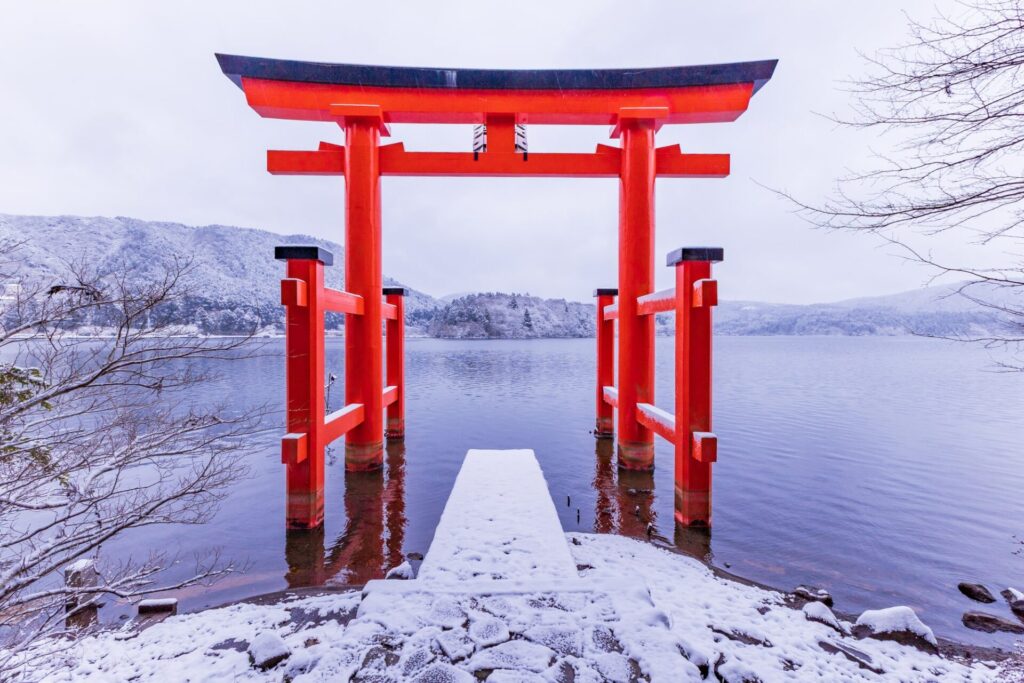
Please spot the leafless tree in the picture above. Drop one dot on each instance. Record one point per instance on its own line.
(950, 105)
(99, 437)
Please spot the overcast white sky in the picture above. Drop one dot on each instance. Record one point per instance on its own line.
(119, 108)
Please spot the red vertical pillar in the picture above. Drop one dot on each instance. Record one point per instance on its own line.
(395, 339)
(696, 445)
(364, 361)
(636, 278)
(604, 427)
(302, 449)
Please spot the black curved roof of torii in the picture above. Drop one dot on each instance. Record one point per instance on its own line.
(237, 67)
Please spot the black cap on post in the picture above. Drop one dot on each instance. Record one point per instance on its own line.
(606, 291)
(394, 291)
(713, 254)
(292, 252)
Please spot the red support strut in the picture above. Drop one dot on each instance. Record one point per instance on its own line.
(636, 278)
(695, 444)
(302, 449)
(604, 427)
(395, 338)
(364, 362)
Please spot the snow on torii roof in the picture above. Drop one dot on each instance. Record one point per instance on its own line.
(280, 88)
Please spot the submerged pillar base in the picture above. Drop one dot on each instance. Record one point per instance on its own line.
(636, 455)
(693, 507)
(604, 427)
(364, 457)
(395, 428)
(305, 510)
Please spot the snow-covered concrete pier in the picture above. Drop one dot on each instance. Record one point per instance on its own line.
(499, 524)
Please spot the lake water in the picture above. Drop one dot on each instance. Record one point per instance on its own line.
(883, 469)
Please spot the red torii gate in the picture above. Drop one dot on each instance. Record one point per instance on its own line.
(363, 100)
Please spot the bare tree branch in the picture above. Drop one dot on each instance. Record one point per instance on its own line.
(950, 102)
(101, 436)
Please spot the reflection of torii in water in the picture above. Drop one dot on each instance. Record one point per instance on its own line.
(625, 505)
(371, 542)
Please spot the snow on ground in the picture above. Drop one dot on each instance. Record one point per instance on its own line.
(749, 631)
(503, 595)
(690, 622)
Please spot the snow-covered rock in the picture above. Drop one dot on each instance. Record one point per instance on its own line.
(565, 639)
(443, 673)
(401, 572)
(1015, 599)
(486, 630)
(895, 623)
(518, 655)
(267, 650)
(819, 611)
(814, 594)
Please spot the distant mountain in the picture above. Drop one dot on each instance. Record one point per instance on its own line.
(937, 311)
(234, 276)
(235, 282)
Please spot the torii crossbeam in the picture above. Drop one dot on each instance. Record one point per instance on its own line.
(364, 100)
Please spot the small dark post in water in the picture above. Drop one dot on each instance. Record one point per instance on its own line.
(604, 427)
(155, 610)
(82, 612)
(394, 337)
(168, 606)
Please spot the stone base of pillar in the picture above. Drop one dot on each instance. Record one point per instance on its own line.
(364, 457)
(395, 428)
(636, 455)
(693, 508)
(604, 428)
(305, 510)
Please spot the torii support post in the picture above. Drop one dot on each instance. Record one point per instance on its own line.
(395, 341)
(364, 361)
(636, 278)
(604, 426)
(696, 445)
(302, 294)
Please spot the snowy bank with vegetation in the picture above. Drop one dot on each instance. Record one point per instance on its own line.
(690, 626)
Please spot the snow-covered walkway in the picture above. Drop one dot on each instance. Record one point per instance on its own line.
(499, 524)
(505, 596)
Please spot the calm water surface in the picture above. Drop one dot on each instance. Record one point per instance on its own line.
(884, 469)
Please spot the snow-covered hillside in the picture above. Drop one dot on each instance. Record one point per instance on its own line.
(234, 276)
(512, 316)
(938, 311)
(235, 281)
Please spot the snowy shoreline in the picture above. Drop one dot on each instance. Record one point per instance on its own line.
(694, 625)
